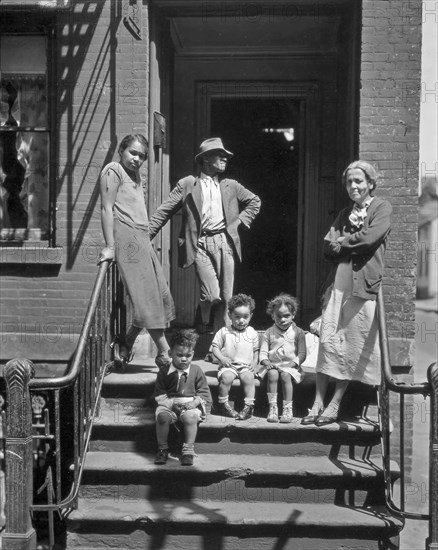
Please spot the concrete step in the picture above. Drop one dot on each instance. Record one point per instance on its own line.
(132, 428)
(213, 524)
(139, 380)
(340, 479)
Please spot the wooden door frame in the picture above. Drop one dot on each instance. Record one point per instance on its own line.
(159, 104)
(308, 94)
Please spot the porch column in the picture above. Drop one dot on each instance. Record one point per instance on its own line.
(19, 533)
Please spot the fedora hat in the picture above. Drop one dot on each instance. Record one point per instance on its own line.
(211, 144)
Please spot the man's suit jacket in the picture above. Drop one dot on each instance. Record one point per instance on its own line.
(239, 205)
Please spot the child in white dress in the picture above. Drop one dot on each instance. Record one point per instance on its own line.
(236, 348)
(282, 352)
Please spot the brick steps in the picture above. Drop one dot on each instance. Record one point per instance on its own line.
(234, 477)
(138, 383)
(117, 429)
(213, 522)
(254, 485)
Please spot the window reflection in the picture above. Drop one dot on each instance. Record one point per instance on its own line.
(24, 139)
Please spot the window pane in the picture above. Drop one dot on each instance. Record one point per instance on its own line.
(30, 105)
(24, 154)
(23, 54)
(24, 178)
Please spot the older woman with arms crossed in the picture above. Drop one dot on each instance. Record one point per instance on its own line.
(349, 342)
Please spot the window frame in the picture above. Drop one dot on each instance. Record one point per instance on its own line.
(38, 24)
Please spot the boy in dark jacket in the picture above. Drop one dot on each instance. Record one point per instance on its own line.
(181, 393)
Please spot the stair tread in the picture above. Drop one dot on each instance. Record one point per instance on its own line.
(136, 415)
(144, 373)
(233, 513)
(239, 465)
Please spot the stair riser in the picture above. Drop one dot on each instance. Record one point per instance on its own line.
(357, 396)
(226, 446)
(234, 491)
(119, 405)
(216, 539)
(137, 397)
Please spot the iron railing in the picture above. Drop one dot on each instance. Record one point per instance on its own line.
(429, 390)
(61, 413)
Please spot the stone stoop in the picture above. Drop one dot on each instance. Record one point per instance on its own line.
(254, 485)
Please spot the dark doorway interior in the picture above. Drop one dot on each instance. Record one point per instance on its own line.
(255, 129)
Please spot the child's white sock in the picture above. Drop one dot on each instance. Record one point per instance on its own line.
(223, 399)
(249, 401)
(273, 408)
(272, 398)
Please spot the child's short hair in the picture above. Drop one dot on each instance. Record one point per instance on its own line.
(241, 300)
(186, 337)
(283, 299)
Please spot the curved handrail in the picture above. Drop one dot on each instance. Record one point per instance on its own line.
(389, 384)
(399, 387)
(75, 365)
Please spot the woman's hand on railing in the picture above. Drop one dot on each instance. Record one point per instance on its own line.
(107, 255)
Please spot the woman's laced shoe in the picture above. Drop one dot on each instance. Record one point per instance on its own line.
(120, 354)
(273, 413)
(329, 415)
(313, 415)
(286, 417)
(246, 412)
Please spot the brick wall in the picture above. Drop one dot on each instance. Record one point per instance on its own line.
(102, 75)
(103, 95)
(389, 137)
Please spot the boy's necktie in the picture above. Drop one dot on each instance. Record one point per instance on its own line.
(182, 382)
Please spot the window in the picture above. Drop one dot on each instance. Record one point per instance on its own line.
(25, 190)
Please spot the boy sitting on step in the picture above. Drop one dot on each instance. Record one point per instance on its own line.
(236, 348)
(181, 392)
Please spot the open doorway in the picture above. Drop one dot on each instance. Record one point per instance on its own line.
(263, 134)
(233, 77)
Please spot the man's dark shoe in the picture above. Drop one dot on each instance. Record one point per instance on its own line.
(246, 413)
(227, 410)
(161, 456)
(187, 460)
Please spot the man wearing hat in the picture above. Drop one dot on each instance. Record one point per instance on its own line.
(213, 208)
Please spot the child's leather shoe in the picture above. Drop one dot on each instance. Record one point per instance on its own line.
(246, 412)
(273, 413)
(227, 410)
(187, 460)
(287, 416)
(161, 456)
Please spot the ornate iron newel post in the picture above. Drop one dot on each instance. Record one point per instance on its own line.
(432, 541)
(19, 533)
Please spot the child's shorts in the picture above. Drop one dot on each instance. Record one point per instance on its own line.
(237, 369)
(174, 416)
